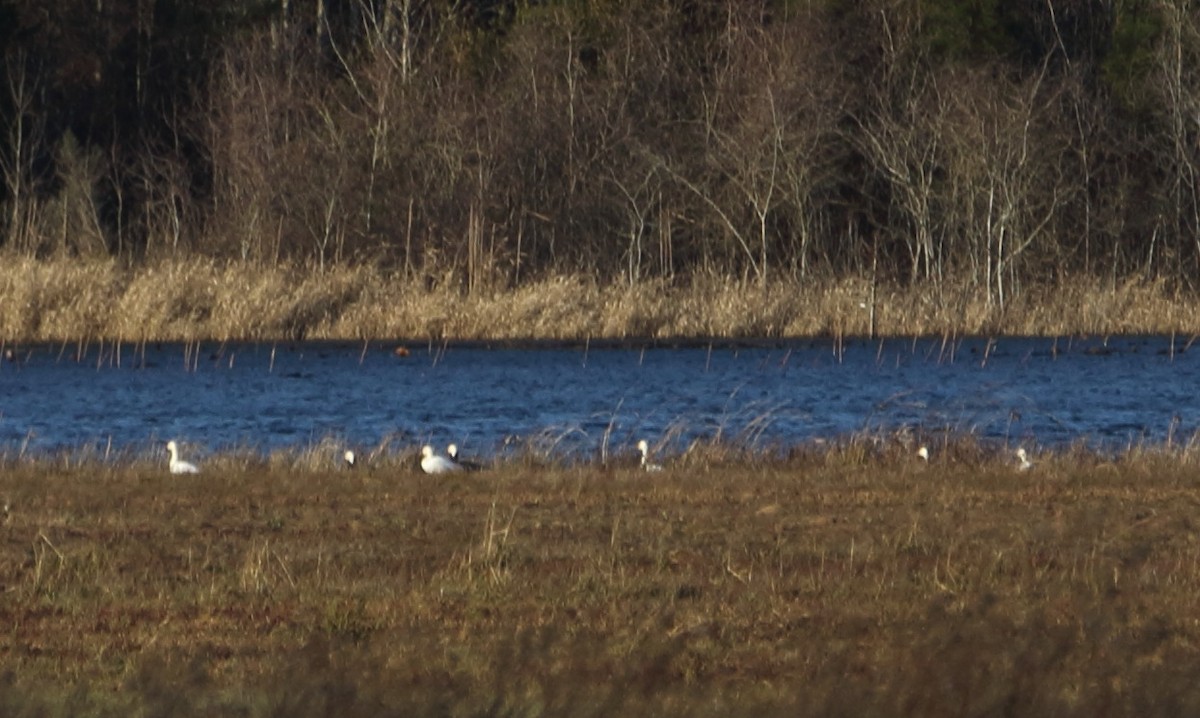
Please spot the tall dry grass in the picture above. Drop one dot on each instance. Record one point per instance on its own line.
(199, 299)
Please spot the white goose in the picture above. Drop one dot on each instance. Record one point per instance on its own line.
(1024, 464)
(349, 458)
(923, 453)
(432, 463)
(177, 465)
(646, 464)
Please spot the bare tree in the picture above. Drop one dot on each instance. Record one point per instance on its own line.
(257, 115)
(898, 133)
(167, 203)
(1178, 77)
(1006, 147)
(23, 135)
(740, 174)
(641, 200)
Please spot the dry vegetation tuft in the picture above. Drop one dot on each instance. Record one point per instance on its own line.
(199, 299)
(833, 582)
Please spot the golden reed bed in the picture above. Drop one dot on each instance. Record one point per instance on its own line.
(87, 300)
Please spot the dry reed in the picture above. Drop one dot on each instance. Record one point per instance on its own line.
(199, 299)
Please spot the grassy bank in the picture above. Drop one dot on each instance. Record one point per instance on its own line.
(829, 584)
(201, 300)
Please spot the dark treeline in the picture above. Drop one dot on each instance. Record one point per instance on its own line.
(486, 142)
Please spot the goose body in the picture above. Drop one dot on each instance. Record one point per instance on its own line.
(177, 465)
(1024, 464)
(469, 465)
(923, 453)
(349, 458)
(647, 465)
(432, 463)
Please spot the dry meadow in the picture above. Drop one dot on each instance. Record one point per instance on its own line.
(839, 581)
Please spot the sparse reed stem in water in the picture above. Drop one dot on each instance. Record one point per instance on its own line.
(987, 351)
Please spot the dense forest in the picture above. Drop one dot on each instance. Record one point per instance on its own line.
(485, 143)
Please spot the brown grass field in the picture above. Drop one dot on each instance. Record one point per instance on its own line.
(81, 300)
(843, 581)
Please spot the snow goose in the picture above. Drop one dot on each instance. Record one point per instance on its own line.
(349, 458)
(468, 464)
(177, 465)
(923, 453)
(1023, 462)
(646, 464)
(432, 463)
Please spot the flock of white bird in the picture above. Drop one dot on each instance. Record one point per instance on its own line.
(1023, 461)
(434, 463)
(431, 461)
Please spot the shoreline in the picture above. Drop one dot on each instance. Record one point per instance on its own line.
(401, 454)
(403, 346)
(85, 301)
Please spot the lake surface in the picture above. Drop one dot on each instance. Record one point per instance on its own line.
(570, 401)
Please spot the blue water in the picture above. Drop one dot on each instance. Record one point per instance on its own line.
(570, 400)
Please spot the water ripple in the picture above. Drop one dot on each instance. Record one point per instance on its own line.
(1040, 390)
